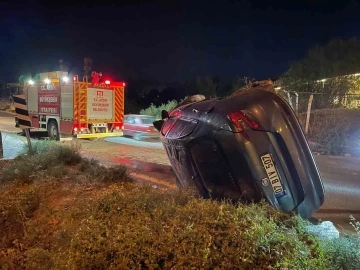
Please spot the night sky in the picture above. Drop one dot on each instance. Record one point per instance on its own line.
(168, 40)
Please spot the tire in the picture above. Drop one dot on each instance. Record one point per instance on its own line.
(53, 131)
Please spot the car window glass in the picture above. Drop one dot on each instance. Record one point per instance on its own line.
(131, 120)
(168, 124)
(138, 121)
(147, 120)
(178, 128)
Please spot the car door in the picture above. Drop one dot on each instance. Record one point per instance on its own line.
(128, 125)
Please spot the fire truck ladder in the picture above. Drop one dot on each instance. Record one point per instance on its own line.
(82, 104)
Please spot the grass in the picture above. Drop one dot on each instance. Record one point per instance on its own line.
(58, 161)
(86, 216)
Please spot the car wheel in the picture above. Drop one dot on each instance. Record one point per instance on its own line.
(53, 131)
(137, 137)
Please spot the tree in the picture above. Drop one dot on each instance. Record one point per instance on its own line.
(240, 83)
(207, 86)
(325, 71)
(190, 88)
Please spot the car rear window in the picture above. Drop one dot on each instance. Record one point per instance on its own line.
(178, 128)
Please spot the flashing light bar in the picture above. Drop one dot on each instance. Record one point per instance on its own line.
(107, 82)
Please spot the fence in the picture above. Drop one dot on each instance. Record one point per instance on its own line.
(299, 101)
(333, 122)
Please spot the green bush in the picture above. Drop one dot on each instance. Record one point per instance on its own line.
(147, 229)
(344, 252)
(98, 173)
(46, 156)
(49, 159)
(156, 111)
(131, 227)
(15, 210)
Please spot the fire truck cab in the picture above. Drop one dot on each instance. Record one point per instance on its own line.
(60, 104)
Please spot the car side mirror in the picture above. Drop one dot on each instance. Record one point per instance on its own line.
(158, 124)
(164, 114)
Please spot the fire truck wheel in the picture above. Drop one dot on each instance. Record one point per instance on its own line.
(53, 131)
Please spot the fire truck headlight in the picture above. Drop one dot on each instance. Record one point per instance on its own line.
(47, 81)
(31, 82)
(65, 79)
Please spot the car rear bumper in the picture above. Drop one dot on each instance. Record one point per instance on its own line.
(299, 176)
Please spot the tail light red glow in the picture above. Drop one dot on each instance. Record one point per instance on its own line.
(118, 126)
(242, 122)
(107, 82)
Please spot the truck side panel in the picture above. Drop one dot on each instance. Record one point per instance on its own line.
(32, 99)
(49, 99)
(66, 104)
(100, 105)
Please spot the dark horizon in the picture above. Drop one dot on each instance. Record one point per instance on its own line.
(169, 42)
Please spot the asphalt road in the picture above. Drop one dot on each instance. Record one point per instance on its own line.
(7, 123)
(341, 175)
(130, 141)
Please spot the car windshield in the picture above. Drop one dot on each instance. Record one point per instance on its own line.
(147, 120)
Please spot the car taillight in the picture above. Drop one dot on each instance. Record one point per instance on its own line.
(242, 122)
(168, 124)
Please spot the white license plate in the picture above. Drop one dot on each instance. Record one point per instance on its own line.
(273, 175)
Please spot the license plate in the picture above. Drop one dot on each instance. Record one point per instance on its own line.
(273, 175)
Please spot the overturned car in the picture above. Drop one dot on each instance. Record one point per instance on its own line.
(246, 147)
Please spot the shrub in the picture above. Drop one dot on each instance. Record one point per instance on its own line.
(38, 259)
(15, 209)
(170, 230)
(156, 111)
(344, 252)
(50, 157)
(98, 173)
(132, 227)
(355, 224)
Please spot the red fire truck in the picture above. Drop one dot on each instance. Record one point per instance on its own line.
(61, 105)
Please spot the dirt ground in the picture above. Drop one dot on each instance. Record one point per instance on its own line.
(114, 152)
(146, 165)
(6, 105)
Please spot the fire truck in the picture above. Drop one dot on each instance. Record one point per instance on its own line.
(58, 104)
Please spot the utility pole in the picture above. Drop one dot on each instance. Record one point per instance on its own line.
(1, 147)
